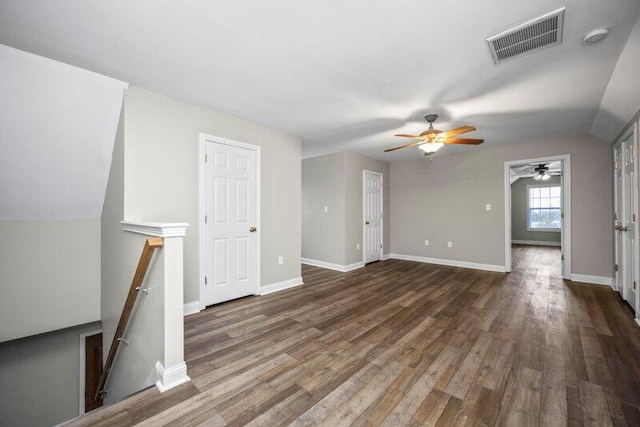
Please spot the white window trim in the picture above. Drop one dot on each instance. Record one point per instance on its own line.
(545, 230)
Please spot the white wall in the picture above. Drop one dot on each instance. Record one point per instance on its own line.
(39, 378)
(161, 178)
(444, 200)
(49, 275)
(619, 102)
(58, 124)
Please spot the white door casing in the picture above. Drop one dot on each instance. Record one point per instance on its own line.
(372, 209)
(562, 227)
(230, 242)
(565, 161)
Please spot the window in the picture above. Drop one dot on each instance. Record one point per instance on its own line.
(544, 208)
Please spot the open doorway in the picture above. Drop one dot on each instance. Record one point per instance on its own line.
(537, 212)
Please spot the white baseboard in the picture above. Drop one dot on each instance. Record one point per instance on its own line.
(535, 242)
(171, 377)
(450, 262)
(332, 266)
(596, 280)
(191, 308)
(637, 321)
(280, 286)
(386, 257)
(354, 266)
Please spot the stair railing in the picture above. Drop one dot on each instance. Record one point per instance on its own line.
(150, 245)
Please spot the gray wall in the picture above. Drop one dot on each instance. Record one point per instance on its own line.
(519, 212)
(335, 181)
(119, 257)
(39, 378)
(444, 200)
(161, 171)
(323, 233)
(115, 274)
(51, 268)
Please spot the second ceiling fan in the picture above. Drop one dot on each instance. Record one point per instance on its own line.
(431, 140)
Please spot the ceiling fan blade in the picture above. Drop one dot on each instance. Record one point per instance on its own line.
(404, 135)
(411, 144)
(469, 141)
(458, 131)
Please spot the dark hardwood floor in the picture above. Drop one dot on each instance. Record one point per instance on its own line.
(403, 343)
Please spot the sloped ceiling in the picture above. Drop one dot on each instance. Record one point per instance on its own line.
(57, 128)
(344, 75)
(621, 100)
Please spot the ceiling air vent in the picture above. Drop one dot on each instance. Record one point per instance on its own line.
(530, 36)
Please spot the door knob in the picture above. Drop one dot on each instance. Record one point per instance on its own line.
(623, 228)
(366, 222)
(617, 228)
(252, 229)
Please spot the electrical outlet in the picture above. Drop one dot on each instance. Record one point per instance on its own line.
(280, 260)
(426, 243)
(487, 207)
(358, 246)
(449, 244)
(326, 209)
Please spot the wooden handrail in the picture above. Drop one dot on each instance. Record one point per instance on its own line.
(150, 245)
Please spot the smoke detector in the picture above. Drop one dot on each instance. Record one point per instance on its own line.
(530, 36)
(595, 36)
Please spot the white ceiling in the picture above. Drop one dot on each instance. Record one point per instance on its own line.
(57, 128)
(344, 75)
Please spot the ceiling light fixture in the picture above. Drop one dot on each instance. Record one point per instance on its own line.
(595, 36)
(430, 147)
(542, 174)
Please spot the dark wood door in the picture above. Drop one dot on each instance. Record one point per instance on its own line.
(93, 370)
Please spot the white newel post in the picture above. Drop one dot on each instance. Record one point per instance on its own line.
(172, 370)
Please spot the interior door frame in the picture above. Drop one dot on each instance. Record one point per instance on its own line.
(203, 140)
(565, 161)
(364, 215)
(83, 369)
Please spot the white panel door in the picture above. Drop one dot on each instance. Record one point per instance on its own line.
(231, 250)
(628, 222)
(372, 208)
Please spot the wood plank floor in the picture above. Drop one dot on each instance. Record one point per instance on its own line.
(403, 343)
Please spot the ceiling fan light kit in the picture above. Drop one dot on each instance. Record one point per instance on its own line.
(431, 140)
(430, 147)
(542, 173)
